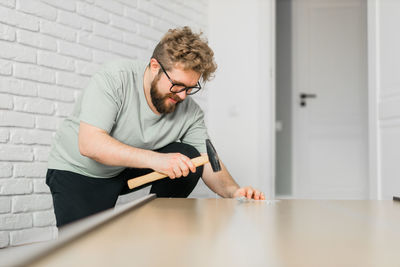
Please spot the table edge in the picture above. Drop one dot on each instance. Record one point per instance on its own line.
(77, 229)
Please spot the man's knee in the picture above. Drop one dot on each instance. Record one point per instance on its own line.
(189, 150)
(185, 149)
(181, 187)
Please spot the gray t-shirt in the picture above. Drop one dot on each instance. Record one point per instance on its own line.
(115, 102)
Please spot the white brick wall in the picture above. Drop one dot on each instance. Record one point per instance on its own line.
(48, 51)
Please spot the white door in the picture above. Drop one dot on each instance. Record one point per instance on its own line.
(330, 126)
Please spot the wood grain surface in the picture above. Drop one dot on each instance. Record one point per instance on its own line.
(228, 232)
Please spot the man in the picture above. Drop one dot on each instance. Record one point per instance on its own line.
(133, 118)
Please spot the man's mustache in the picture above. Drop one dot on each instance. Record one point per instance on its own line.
(174, 97)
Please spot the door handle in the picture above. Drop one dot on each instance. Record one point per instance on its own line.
(304, 96)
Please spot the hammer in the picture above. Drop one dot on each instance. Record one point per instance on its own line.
(211, 157)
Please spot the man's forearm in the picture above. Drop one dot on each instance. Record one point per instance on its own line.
(107, 150)
(220, 182)
(97, 144)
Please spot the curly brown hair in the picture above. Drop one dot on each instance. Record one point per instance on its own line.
(182, 46)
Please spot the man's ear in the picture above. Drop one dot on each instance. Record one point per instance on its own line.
(154, 66)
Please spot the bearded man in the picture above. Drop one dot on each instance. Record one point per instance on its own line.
(133, 118)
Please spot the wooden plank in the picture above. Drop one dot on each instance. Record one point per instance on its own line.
(76, 230)
(227, 232)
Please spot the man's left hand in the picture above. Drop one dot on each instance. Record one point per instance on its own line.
(250, 193)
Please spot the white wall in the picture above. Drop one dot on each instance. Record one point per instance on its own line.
(48, 51)
(241, 97)
(384, 70)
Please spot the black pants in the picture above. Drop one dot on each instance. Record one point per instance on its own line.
(76, 196)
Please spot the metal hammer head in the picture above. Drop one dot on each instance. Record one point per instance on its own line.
(213, 156)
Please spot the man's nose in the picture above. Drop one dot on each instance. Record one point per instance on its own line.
(182, 95)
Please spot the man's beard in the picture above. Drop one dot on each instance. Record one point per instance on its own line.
(161, 102)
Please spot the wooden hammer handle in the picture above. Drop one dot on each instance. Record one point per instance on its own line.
(154, 176)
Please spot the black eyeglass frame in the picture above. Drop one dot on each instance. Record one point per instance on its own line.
(195, 89)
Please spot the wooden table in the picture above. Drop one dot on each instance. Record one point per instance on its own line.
(228, 232)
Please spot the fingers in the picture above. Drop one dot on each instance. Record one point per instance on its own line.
(250, 193)
(240, 193)
(180, 166)
(258, 195)
(183, 169)
(190, 164)
(176, 172)
(187, 165)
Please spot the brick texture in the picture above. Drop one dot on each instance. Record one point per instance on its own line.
(49, 49)
(32, 235)
(4, 239)
(15, 221)
(31, 203)
(15, 186)
(5, 205)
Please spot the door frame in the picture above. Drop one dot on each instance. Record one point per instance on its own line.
(267, 170)
(272, 103)
(374, 157)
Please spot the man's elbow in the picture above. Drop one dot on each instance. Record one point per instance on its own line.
(89, 139)
(84, 148)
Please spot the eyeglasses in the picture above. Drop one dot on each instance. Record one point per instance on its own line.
(177, 88)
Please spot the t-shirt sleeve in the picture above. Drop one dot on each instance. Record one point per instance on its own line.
(100, 101)
(197, 134)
